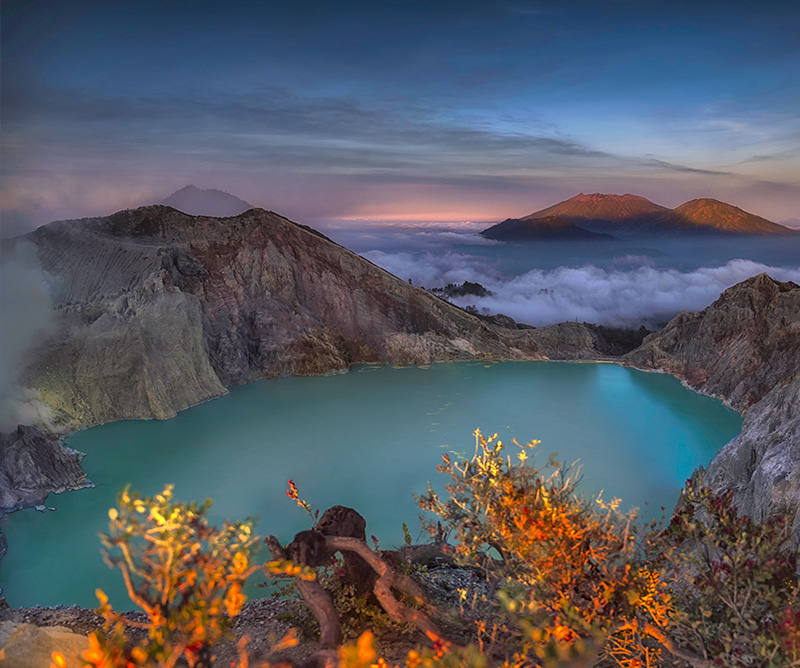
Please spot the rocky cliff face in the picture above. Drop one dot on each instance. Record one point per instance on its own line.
(745, 348)
(32, 466)
(160, 310)
(738, 348)
(762, 464)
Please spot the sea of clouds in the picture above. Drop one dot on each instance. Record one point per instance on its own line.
(620, 296)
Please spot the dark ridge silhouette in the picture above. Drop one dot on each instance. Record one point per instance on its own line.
(199, 202)
(547, 228)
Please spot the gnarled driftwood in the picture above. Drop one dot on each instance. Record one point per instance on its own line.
(365, 568)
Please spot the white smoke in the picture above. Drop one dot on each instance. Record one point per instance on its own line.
(26, 315)
(618, 296)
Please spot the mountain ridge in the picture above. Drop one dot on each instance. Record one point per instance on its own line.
(713, 213)
(632, 214)
(159, 310)
(602, 206)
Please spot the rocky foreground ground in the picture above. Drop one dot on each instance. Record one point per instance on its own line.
(28, 636)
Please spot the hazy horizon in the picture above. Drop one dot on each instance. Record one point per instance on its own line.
(358, 224)
(397, 111)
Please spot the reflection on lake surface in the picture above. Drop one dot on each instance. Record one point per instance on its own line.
(368, 439)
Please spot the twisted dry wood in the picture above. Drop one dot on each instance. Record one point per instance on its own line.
(387, 579)
(318, 599)
(347, 522)
(313, 548)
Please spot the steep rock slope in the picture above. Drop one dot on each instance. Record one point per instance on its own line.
(160, 310)
(745, 348)
(762, 465)
(738, 348)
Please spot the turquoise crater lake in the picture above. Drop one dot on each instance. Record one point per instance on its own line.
(367, 439)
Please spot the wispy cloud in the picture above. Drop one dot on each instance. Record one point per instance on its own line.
(309, 131)
(307, 107)
(669, 166)
(74, 152)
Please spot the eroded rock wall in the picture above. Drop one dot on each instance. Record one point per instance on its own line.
(159, 310)
(738, 349)
(33, 465)
(745, 349)
(762, 464)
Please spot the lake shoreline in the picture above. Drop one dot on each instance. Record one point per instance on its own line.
(761, 382)
(425, 409)
(39, 504)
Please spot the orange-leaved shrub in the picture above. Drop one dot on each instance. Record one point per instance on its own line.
(184, 573)
(581, 581)
(575, 581)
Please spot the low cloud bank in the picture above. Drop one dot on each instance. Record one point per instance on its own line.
(620, 297)
(405, 237)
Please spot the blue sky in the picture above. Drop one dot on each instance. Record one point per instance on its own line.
(398, 110)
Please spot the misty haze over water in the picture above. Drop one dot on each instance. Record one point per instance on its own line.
(624, 282)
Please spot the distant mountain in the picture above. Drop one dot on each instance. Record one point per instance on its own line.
(206, 202)
(627, 215)
(598, 206)
(713, 215)
(547, 228)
